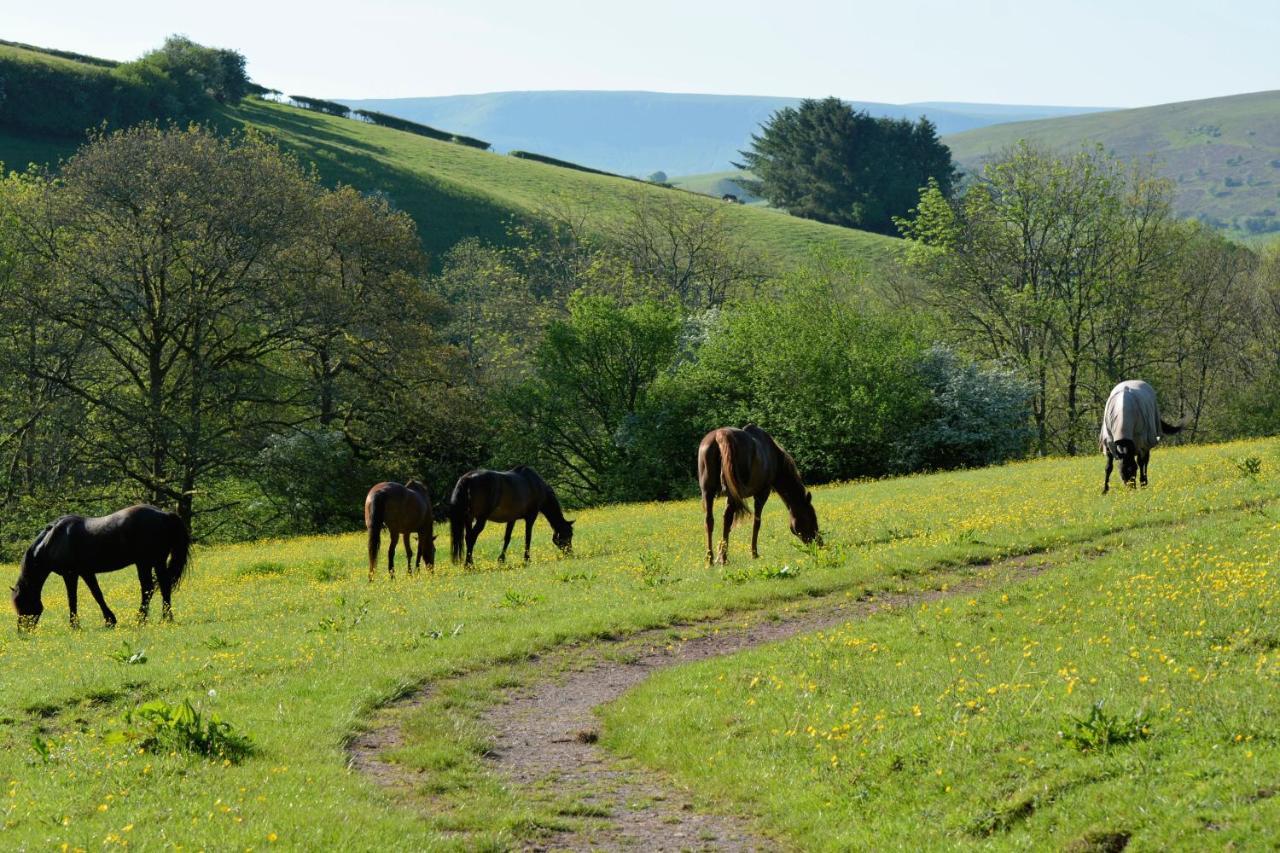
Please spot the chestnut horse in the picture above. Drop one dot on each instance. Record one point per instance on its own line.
(402, 510)
(80, 548)
(748, 463)
(509, 496)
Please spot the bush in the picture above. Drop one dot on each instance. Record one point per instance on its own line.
(313, 479)
(835, 384)
(975, 416)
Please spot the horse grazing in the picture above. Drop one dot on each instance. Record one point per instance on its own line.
(482, 496)
(402, 510)
(77, 547)
(1131, 426)
(748, 463)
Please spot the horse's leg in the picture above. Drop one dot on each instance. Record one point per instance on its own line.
(528, 534)
(391, 554)
(1106, 478)
(755, 524)
(166, 593)
(72, 581)
(472, 535)
(724, 534)
(506, 540)
(408, 554)
(708, 507)
(146, 581)
(1143, 459)
(91, 581)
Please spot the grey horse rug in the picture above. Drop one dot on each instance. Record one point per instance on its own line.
(1131, 413)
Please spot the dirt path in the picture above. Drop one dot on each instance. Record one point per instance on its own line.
(545, 735)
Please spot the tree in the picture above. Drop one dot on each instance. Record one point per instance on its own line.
(198, 73)
(161, 251)
(592, 375)
(834, 382)
(823, 160)
(1050, 265)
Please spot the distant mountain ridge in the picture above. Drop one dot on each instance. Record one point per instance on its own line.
(1222, 154)
(637, 133)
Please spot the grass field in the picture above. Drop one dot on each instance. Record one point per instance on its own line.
(287, 642)
(972, 722)
(1223, 154)
(716, 184)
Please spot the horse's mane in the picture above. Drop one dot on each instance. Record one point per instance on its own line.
(789, 478)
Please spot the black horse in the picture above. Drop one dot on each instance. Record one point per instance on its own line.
(509, 496)
(77, 547)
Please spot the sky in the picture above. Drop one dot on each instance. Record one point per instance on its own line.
(1117, 53)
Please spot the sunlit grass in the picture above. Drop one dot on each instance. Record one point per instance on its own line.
(288, 643)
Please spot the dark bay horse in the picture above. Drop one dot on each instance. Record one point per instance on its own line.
(402, 510)
(510, 496)
(748, 463)
(76, 547)
(1131, 426)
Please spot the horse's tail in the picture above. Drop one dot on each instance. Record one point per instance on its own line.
(459, 508)
(180, 552)
(374, 508)
(729, 476)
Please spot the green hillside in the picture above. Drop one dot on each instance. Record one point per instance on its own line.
(1222, 153)
(456, 192)
(716, 184)
(451, 190)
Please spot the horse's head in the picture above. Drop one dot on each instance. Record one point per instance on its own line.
(563, 538)
(25, 595)
(804, 521)
(1127, 453)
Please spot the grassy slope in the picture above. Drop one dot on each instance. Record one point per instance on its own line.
(944, 726)
(297, 647)
(1201, 145)
(456, 192)
(715, 184)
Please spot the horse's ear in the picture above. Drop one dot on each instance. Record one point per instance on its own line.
(808, 496)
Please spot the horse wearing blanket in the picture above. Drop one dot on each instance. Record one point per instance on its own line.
(1131, 426)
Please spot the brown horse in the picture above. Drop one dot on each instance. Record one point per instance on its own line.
(155, 541)
(509, 496)
(748, 463)
(402, 510)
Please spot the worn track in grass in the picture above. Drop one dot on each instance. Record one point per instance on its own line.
(545, 734)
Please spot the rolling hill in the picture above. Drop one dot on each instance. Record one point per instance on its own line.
(1223, 154)
(455, 192)
(636, 133)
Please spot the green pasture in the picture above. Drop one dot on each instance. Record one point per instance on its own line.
(1127, 695)
(288, 643)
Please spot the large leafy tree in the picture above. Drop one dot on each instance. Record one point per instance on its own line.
(1056, 266)
(824, 160)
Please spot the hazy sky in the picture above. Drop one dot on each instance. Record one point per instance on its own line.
(1075, 52)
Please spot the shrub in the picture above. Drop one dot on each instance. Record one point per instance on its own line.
(975, 416)
(835, 384)
(312, 478)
